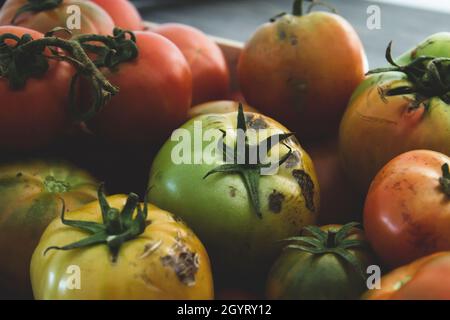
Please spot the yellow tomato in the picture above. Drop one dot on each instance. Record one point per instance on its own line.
(163, 260)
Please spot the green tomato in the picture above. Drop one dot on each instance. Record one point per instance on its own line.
(328, 263)
(239, 214)
(398, 109)
(31, 195)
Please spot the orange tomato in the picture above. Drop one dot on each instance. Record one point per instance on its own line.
(301, 70)
(407, 210)
(425, 279)
(123, 12)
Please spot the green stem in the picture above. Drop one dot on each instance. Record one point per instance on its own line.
(445, 179)
(297, 9)
(331, 239)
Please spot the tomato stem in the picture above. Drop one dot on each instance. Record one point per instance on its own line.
(297, 9)
(331, 239)
(117, 226)
(27, 59)
(445, 179)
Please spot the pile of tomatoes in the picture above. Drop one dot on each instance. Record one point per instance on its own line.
(350, 179)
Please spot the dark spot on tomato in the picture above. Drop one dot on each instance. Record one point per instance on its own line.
(232, 191)
(256, 122)
(19, 174)
(293, 160)
(276, 199)
(294, 40)
(185, 263)
(307, 187)
(282, 34)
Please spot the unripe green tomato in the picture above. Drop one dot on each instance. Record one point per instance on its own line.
(241, 237)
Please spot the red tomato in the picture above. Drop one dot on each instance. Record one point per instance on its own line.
(407, 210)
(301, 70)
(123, 13)
(93, 19)
(36, 114)
(210, 75)
(425, 279)
(154, 98)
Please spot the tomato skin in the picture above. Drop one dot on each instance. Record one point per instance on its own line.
(221, 106)
(406, 214)
(376, 129)
(154, 98)
(424, 279)
(218, 208)
(29, 200)
(93, 18)
(123, 12)
(210, 75)
(137, 273)
(35, 115)
(299, 275)
(279, 67)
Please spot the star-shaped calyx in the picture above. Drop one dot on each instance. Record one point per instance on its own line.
(117, 226)
(249, 169)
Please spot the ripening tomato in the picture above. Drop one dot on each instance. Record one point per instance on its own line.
(210, 75)
(302, 69)
(407, 210)
(44, 16)
(396, 110)
(239, 209)
(154, 98)
(324, 263)
(123, 12)
(35, 113)
(123, 250)
(30, 197)
(425, 279)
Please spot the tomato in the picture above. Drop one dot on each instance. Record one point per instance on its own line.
(222, 106)
(133, 252)
(123, 12)
(382, 122)
(407, 209)
(30, 197)
(302, 69)
(425, 279)
(211, 78)
(327, 263)
(154, 98)
(35, 114)
(239, 210)
(44, 16)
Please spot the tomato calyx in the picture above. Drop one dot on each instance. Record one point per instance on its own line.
(117, 227)
(320, 242)
(445, 179)
(36, 6)
(27, 58)
(249, 169)
(297, 8)
(429, 77)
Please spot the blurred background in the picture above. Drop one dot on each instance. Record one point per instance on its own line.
(406, 21)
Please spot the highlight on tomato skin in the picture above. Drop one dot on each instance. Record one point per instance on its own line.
(407, 209)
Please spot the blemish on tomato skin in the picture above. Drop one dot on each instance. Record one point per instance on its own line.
(307, 188)
(232, 191)
(276, 200)
(425, 241)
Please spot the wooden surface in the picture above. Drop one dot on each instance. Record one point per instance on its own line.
(237, 19)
